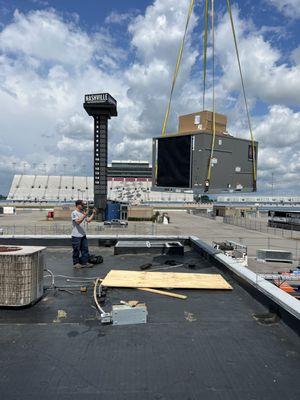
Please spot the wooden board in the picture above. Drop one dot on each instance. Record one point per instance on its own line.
(164, 293)
(138, 279)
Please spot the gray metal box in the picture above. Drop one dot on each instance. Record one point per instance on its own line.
(123, 314)
(274, 255)
(141, 246)
(181, 163)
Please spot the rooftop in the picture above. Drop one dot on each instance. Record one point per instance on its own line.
(214, 344)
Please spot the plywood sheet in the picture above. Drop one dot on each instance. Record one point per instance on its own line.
(140, 279)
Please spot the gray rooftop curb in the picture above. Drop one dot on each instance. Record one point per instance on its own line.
(277, 295)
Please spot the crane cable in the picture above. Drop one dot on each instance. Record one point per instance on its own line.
(207, 182)
(179, 57)
(205, 50)
(244, 95)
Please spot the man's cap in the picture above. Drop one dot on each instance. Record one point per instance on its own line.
(79, 203)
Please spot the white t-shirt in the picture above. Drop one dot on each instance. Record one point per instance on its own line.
(77, 229)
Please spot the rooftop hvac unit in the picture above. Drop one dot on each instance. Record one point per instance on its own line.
(274, 255)
(191, 159)
(21, 275)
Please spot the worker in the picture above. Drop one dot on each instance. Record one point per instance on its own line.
(79, 241)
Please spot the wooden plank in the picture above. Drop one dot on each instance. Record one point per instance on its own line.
(171, 280)
(164, 293)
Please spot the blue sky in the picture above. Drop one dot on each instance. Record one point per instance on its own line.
(52, 52)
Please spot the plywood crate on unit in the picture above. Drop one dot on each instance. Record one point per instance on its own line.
(202, 121)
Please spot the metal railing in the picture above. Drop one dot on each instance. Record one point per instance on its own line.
(261, 226)
(91, 229)
(202, 213)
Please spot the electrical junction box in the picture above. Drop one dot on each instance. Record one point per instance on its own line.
(181, 163)
(123, 314)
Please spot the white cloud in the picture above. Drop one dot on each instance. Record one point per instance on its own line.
(76, 127)
(41, 91)
(296, 55)
(266, 77)
(140, 149)
(44, 35)
(119, 18)
(290, 8)
(279, 128)
(278, 135)
(70, 145)
(155, 39)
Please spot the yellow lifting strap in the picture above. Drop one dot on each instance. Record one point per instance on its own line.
(179, 57)
(207, 182)
(244, 94)
(205, 50)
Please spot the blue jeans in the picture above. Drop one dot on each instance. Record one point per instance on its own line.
(80, 250)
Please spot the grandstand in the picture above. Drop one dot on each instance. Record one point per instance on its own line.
(129, 169)
(64, 189)
(253, 199)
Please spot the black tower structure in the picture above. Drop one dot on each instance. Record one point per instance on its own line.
(101, 106)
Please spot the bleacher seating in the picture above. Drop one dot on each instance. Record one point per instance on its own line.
(39, 188)
(23, 187)
(52, 191)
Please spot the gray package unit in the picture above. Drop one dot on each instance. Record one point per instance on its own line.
(21, 275)
(181, 163)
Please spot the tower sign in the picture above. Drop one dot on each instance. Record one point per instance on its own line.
(101, 107)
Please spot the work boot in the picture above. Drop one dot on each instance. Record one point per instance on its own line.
(77, 266)
(87, 265)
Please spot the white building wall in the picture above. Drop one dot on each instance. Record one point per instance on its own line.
(258, 199)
